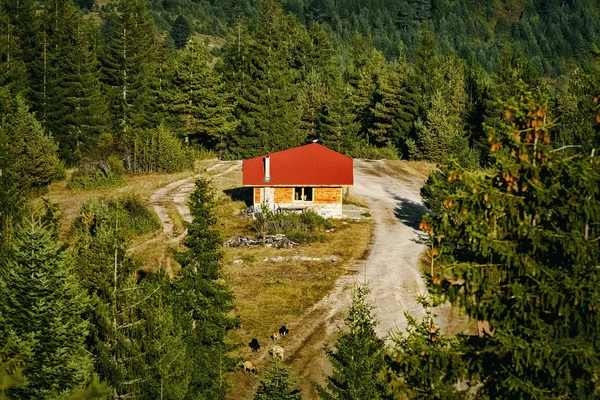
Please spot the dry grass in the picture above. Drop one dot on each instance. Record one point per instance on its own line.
(353, 200)
(71, 200)
(270, 294)
(176, 219)
(400, 169)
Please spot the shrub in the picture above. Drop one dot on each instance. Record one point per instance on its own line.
(128, 215)
(95, 179)
(371, 152)
(157, 150)
(98, 174)
(307, 226)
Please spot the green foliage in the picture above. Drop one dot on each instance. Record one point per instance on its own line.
(126, 217)
(199, 99)
(73, 108)
(95, 179)
(204, 303)
(440, 135)
(370, 152)
(12, 363)
(307, 226)
(28, 163)
(29, 159)
(137, 345)
(157, 150)
(129, 67)
(424, 364)
(277, 383)
(525, 250)
(180, 32)
(268, 108)
(43, 305)
(358, 357)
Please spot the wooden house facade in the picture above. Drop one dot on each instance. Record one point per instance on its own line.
(310, 177)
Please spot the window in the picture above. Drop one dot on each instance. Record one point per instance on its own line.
(303, 194)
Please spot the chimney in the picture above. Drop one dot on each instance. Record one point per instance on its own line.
(267, 169)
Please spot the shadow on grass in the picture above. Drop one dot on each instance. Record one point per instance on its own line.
(409, 212)
(240, 194)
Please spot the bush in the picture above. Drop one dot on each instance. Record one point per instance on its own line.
(95, 179)
(370, 152)
(98, 174)
(157, 150)
(304, 227)
(128, 215)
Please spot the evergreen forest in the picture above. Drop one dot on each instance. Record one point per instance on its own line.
(502, 96)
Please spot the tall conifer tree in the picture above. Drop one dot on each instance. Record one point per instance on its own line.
(204, 302)
(129, 67)
(200, 100)
(358, 357)
(268, 107)
(522, 256)
(42, 303)
(75, 111)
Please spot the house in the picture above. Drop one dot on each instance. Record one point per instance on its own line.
(309, 177)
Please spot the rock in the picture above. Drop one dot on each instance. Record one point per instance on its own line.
(240, 261)
(277, 241)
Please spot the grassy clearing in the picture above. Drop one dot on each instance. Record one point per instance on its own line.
(70, 200)
(400, 169)
(270, 294)
(353, 200)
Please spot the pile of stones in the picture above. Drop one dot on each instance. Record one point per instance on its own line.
(279, 241)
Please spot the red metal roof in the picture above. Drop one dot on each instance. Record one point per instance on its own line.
(308, 165)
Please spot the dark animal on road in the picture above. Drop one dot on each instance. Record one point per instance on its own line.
(275, 337)
(250, 367)
(254, 345)
(283, 331)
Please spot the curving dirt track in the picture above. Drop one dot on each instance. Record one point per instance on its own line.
(392, 192)
(178, 193)
(391, 268)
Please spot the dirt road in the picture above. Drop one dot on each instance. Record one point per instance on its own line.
(178, 193)
(392, 268)
(392, 192)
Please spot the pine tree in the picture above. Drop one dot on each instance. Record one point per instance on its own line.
(75, 111)
(180, 32)
(41, 302)
(165, 350)
(522, 257)
(268, 107)
(200, 99)
(358, 358)
(337, 126)
(425, 77)
(204, 303)
(367, 66)
(440, 135)
(29, 159)
(277, 383)
(21, 15)
(394, 108)
(13, 71)
(129, 66)
(118, 324)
